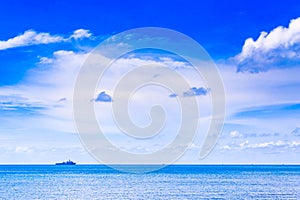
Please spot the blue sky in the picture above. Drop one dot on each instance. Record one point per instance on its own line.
(255, 44)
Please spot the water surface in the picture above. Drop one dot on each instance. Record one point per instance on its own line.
(172, 182)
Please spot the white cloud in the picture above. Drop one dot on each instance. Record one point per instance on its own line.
(45, 60)
(23, 149)
(278, 143)
(227, 147)
(28, 38)
(273, 49)
(31, 37)
(81, 33)
(244, 144)
(271, 145)
(235, 134)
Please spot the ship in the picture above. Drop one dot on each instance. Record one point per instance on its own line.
(69, 162)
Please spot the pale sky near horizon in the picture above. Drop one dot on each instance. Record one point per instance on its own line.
(255, 46)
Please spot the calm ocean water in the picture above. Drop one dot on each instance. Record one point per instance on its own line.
(172, 182)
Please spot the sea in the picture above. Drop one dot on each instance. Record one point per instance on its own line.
(171, 182)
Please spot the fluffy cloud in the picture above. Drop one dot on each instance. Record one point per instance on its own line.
(31, 37)
(81, 33)
(194, 91)
(274, 49)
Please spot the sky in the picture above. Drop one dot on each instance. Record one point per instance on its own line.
(254, 44)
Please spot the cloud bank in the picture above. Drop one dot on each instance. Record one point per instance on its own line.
(45, 97)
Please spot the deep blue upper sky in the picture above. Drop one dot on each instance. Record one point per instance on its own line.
(220, 26)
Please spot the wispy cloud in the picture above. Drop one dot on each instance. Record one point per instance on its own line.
(235, 134)
(16, 105)
(270, 111)
(31, 37)
(28, 38)
(274, 49)
(267, 145)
